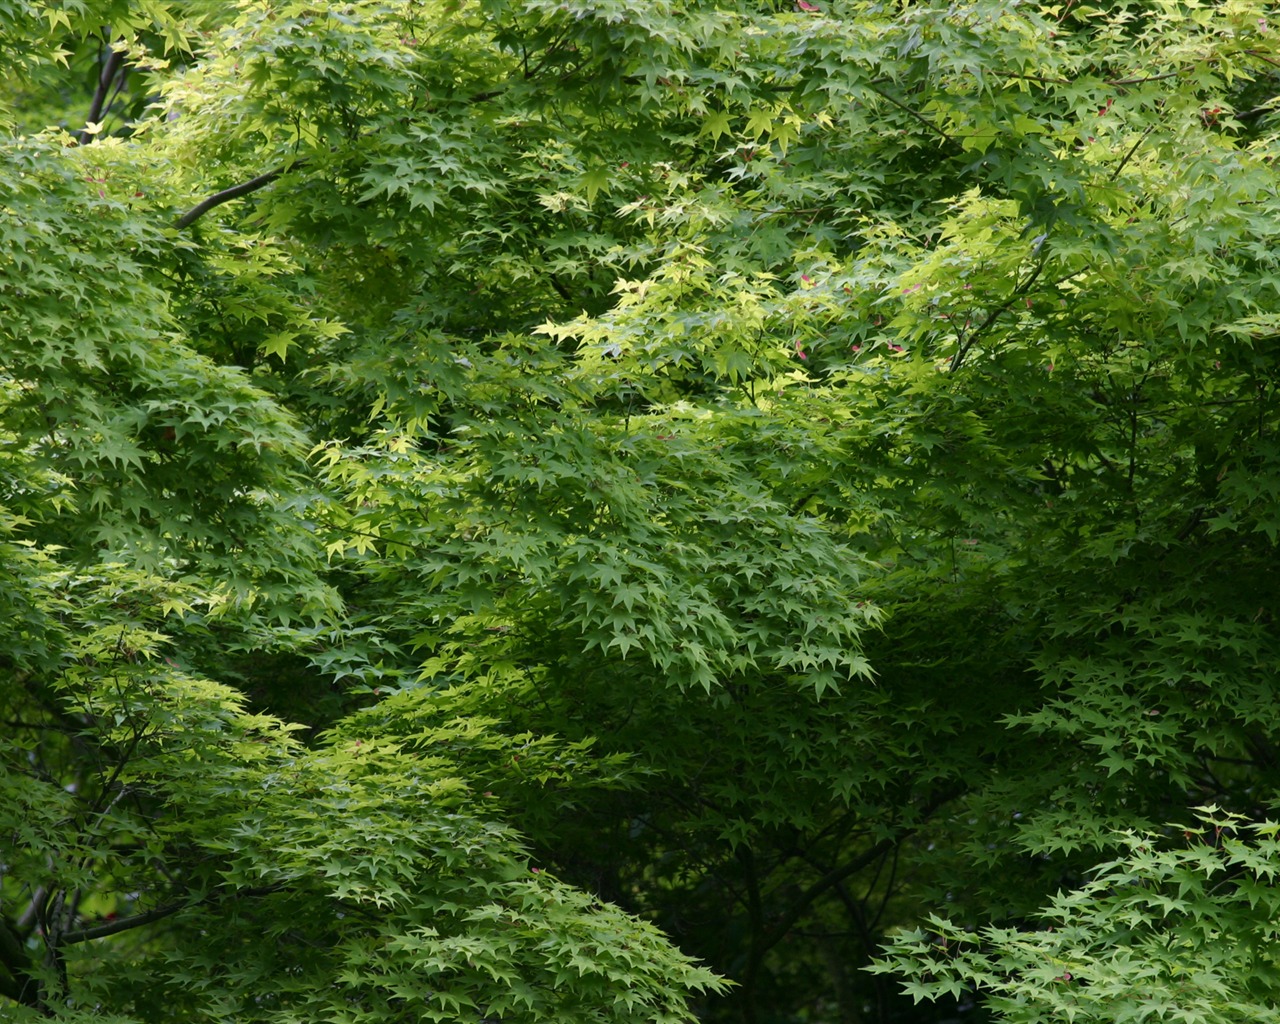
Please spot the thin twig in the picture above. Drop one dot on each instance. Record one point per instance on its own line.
(1115, 82)
(918, 116)
(1133, 149)
(1267, 60)
(1140, 81)
(1019, 290)
(785, 922)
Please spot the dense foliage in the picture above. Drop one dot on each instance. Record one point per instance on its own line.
(628, 510)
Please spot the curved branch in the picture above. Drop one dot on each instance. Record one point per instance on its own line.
(123, 924)
(100, 931)
(226, 195)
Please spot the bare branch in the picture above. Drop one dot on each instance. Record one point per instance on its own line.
(1129, 155)
(228, 194)
(11, 989)
(122, 924)
(263, 180)
(16, 963)
(1145, 78)
(785, 922)
(1019, 289)
(111, 70)
(913, 113)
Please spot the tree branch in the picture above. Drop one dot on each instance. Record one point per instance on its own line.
(123, 924)
(11, 989)
(101, 931)
(111, 69)
(834, 877)
(1019, 289)
(228, 194)
(263, 180)
(1133, 149)
(914, 113)
(19, 985)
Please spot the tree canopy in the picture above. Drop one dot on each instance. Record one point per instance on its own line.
(632, 510)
